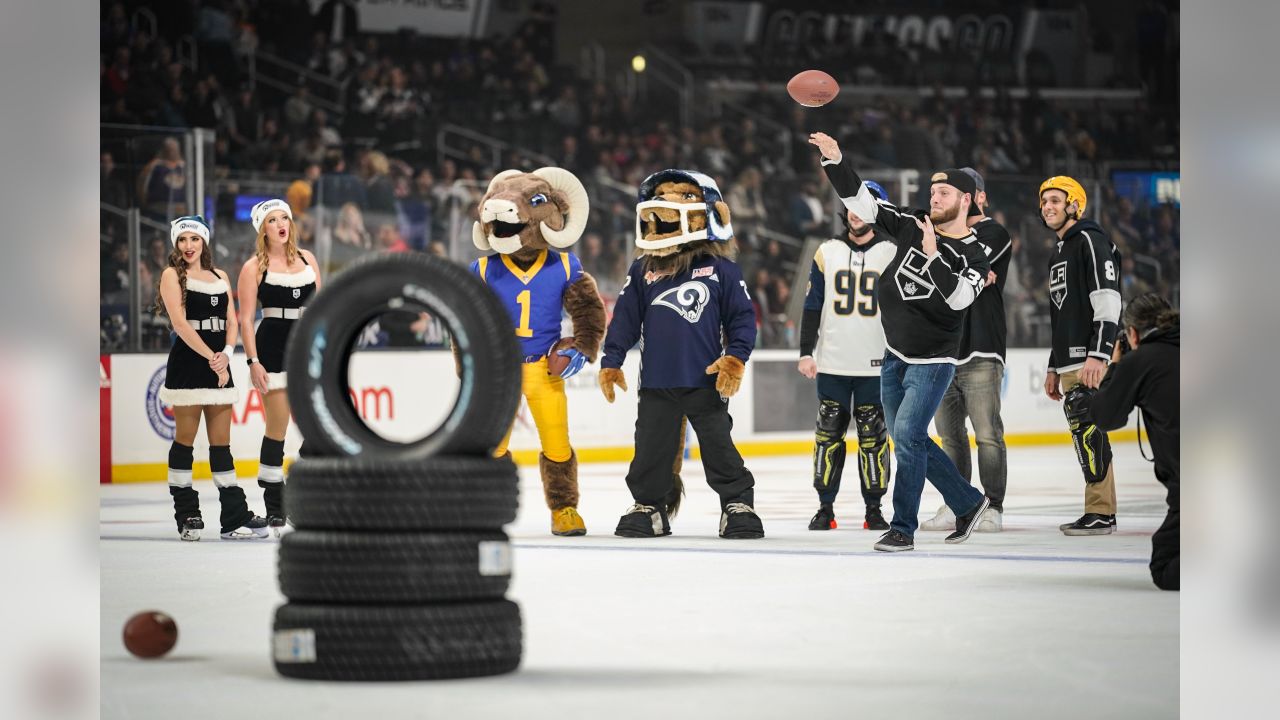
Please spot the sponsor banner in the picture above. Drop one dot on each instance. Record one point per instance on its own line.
(405, 394)
(104, 418)
(445, 18)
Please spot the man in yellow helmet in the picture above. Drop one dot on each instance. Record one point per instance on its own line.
(1084, 313)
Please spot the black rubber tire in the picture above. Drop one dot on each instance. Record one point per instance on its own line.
(318, 566)
(441, 493)
(320, 344)
(396, 642)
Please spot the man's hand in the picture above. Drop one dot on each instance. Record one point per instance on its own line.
(608, 378)
(1092, 372)
(728, 371)
(1052, 386)
(929, 244)
(991, 278)
(808, 367)
(827, 145)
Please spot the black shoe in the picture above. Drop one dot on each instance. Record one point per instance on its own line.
(739, 521)
(1091, 524)
(191, 528)
(277, 524)
(1111, 518)
(967, 522)
(824, 519)
(643, 521)
(874, 519)
(894, 541)
(252, 529)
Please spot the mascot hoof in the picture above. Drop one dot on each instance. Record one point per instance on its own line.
(567, 522)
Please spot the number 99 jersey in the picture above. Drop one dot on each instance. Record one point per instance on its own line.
(534, 298)
(844, 284)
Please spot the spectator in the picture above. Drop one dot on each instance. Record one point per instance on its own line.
(350, 229)
(389, 239)
(337, 20)
(379, 192)
(297, 109)
(163, 182)
(113, 189)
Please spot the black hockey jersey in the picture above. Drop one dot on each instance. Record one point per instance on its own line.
(984, 332)
(1084, 294)
(922, 300)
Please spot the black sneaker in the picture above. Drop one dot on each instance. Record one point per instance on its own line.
(824, 519)
(967, 522)
(643, 521)
(739, 521)
(1091, 524)
(894, 541)
(1111, 518)
(191, 528)
(874, 519)
(252, 529)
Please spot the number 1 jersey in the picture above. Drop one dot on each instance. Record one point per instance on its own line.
(535, 297)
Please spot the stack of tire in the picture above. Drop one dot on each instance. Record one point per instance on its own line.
(398, 565)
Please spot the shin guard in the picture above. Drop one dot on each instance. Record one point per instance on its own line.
(874, 463)
(1093, 447)
(829, 449)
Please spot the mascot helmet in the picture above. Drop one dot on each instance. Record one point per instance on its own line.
(715, 230)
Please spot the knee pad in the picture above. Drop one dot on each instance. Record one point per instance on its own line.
(873, 447)
(829, 448)
(1092, 446)
(271, 461)
(223, 466)
(181, 458)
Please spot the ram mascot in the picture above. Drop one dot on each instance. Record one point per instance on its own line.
(527, 221)
(685, 302)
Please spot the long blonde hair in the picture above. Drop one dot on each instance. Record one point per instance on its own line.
(290, 247)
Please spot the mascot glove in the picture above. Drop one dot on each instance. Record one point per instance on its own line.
(576, 361)
(731, 370)
(610, 377)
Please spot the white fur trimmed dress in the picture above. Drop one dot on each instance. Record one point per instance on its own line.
(188, 379)
(283, 295)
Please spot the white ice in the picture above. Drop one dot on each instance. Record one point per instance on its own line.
(1026, 624)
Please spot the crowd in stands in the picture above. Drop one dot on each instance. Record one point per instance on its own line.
(369, 175)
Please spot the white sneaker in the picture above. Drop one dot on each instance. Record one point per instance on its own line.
(945, 520)
(992, 521)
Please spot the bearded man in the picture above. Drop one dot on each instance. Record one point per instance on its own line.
(937, 272)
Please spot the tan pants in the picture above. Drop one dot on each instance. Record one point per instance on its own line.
(1099, 497)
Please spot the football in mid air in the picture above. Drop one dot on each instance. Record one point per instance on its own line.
(813, 88)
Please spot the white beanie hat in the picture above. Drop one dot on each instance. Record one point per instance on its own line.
(260, 211)
(189, 223)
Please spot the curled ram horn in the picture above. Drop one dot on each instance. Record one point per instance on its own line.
(567, 183)
(478, 238)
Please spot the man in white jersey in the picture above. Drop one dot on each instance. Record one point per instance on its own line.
(842, 345)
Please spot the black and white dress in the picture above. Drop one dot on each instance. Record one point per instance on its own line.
(283, 297)
(188, 378)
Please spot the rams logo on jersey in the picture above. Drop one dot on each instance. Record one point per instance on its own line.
(689, 300)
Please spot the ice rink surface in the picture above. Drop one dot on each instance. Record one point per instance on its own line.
(1025, 624)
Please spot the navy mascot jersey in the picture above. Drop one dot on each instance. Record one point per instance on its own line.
(680, 322)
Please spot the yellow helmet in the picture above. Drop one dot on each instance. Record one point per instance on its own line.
(1073, 189)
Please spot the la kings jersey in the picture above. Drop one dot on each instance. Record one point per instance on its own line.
(922, 299)
(844, 285)
(1084, 294)
(984, 332)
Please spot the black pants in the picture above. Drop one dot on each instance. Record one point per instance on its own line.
(1165, 546)
(658, 440)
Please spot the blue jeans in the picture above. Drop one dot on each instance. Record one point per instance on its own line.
(911, 395)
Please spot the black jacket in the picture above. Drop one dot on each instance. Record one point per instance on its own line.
(983, 333)
(1084, 287)
(1146, 378)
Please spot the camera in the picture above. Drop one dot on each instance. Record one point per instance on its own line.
(1122, 342)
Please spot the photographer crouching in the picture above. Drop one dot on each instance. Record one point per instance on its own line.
(1144, 374)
